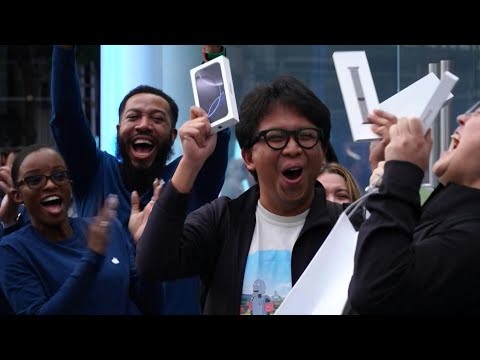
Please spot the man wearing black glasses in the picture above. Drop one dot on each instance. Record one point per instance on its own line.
(251, 250)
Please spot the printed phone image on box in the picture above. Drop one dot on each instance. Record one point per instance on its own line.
(213, 92)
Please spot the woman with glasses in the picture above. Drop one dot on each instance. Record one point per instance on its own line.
(251, 250)
(413, 259)
(60, 265)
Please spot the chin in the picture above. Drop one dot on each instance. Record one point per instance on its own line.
(142, 164)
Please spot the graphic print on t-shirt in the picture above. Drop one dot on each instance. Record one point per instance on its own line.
(267, 278)
(265, 293)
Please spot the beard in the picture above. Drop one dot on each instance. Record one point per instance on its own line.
(141, 178)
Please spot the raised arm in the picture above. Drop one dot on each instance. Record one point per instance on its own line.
(178, 253)
(391, 271)
(69, 124)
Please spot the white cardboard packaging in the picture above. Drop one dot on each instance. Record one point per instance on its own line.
(322, 289)
(358, 91)
(423, 99)
(213, 91)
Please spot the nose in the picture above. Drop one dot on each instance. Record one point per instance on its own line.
(143, 123)
(462, 119)
(292, 146)
(330, 196)
(49, 183)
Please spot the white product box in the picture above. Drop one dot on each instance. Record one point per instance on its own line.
(423, 99)
(358, 91)
(213, 91)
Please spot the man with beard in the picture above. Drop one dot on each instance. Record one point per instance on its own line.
(145, 135)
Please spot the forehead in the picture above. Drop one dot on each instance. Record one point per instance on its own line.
(147, 102)
(285, 118)
(332, 178)
(40, 160)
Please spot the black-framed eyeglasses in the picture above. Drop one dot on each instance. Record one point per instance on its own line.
(277, 139)
(36, 182)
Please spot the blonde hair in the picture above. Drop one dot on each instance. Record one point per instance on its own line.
(352, 187)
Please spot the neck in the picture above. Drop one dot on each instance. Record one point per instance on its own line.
(140, 180)
(55, 233)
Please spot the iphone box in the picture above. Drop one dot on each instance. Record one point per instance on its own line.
(213, 92)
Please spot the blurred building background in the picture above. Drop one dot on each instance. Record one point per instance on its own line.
(25, 86)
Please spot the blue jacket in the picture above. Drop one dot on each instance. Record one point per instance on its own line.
(96, 173)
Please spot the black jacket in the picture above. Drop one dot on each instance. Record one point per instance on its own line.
(413, 260)
(214, 242)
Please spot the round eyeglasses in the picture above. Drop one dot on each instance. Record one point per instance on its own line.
(277, 139)
(36, 182)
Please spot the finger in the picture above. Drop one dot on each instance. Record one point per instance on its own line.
(197, 129)
(385, 115)
(135, 202)
(112, 202)
(393, 131)
(157, 189)
(10, 158)
(108, 211)
(415, 126)
(201, 124)
(196, 112)
(376, 119)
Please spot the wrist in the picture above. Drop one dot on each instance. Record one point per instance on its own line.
(212, 55)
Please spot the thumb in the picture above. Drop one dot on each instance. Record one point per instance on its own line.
(196, 112)
(135, 202)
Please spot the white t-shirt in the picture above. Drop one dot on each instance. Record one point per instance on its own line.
(268, 272)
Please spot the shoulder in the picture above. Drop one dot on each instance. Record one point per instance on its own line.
(18, 238)
(107, 158)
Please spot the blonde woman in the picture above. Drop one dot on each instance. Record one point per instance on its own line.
(340, 185)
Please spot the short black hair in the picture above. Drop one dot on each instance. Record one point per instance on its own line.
(285, 91)
(146, 89)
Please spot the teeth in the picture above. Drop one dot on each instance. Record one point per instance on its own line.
(455, 141)
(137, 142)
(51, 198)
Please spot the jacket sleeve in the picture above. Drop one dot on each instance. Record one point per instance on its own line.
(173, 246)
(69, 124)
(25, 293)
(147, 295)
(393, 274)
(211, 177)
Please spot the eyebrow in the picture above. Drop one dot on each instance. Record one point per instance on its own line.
(150, 112)
(34, 172)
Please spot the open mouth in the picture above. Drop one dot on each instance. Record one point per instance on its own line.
(142, 147)
(53, 204)
(455, 141)
(293, 173)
